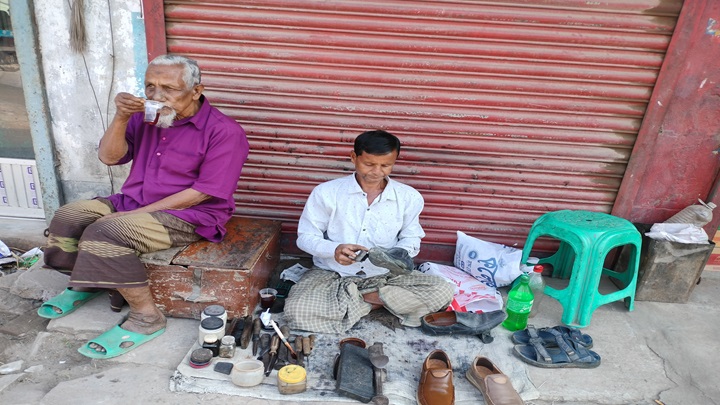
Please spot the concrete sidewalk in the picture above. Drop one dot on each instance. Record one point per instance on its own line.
(659, 352)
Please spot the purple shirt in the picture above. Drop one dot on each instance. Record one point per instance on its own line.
(205, 152)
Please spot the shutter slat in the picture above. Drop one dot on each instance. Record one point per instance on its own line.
(506, 109)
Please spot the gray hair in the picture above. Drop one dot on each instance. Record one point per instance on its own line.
(191, 76)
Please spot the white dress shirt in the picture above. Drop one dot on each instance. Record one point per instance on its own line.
(337, 212)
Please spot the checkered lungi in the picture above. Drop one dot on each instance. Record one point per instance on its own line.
(324, 302)
(104, 254)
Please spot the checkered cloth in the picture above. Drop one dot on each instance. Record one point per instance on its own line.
(324, 302)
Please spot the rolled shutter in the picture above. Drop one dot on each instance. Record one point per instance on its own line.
(506, 109)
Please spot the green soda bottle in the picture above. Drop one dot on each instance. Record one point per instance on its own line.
(519, 304)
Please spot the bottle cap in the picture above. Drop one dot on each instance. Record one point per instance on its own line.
(227, 340)
(538, 268)
(210, 338)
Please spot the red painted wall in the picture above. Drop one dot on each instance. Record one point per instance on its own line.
(675, 158)
(154, 14)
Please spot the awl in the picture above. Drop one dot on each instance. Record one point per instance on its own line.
(274, 345)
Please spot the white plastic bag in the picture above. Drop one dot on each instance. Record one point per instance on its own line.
(471, 295)
(4, 250)
(492, 263)
(683, 233)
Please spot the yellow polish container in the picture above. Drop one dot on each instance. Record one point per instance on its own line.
(292, 379)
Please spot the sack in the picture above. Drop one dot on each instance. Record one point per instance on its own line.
(470, 295)
(492, 263)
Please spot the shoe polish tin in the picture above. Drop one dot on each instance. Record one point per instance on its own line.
(215, 310)
(200, 358)
(211, 326)
(292, 379)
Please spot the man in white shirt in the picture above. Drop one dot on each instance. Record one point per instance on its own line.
(345, 218)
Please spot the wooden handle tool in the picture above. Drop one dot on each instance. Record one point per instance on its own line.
(306, 349)
(274, 345)
(299, 350)
(282, 337)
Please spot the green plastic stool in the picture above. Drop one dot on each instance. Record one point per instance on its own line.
(586, 238)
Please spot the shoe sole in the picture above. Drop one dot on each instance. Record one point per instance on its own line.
(382, 259)
(417, 398)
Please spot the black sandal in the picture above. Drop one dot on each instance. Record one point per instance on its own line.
(549, 336)
(568, 354)
(117, 301)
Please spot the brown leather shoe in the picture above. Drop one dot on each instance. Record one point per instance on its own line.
(493, 383)
(436, 380)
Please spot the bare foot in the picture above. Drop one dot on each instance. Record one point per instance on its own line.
(144, 323)
(76, 303)
(373, 298)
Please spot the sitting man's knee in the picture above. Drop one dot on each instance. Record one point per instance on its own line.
(448, 289)
(105, 231)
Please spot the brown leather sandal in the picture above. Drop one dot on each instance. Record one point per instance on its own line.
(495, 386)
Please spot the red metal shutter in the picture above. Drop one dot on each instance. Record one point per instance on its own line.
(506, 109)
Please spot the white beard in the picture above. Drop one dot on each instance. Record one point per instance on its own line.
(166, 120)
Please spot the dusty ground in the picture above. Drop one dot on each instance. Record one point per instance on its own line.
(664, 352)
(50, 357)
(57, 360)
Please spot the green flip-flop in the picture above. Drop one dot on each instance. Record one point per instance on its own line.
(67, 302)
(112, 340)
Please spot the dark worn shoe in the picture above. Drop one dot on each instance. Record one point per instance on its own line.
(117, 301)
(396, 260)
(436, 380)
(493, 383)
(461, 323)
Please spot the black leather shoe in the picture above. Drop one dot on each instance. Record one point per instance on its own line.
(396, 260)
(461, 323)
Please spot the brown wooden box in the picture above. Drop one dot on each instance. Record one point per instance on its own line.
(185, 280)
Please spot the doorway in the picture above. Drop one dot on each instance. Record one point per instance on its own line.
(19, 184)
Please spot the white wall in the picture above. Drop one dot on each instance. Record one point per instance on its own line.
(81, 90)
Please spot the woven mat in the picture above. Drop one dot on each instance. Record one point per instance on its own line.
(407, 349)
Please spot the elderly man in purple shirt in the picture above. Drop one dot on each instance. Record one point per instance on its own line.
(185, 168)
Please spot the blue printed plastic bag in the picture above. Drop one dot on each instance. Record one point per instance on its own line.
(492, 263)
